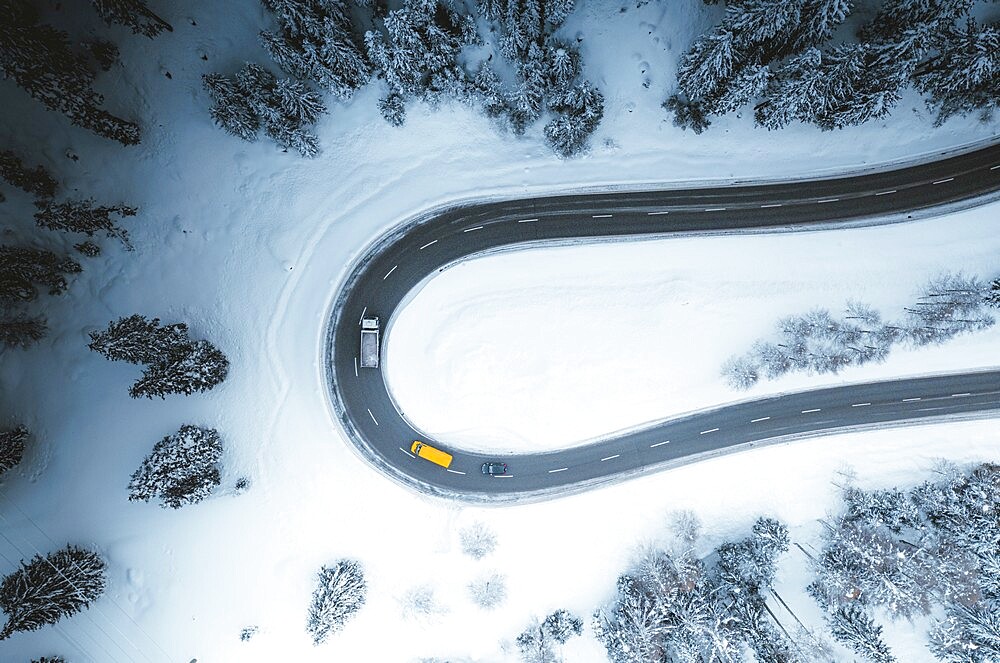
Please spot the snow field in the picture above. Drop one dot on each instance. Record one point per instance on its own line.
(544, 348)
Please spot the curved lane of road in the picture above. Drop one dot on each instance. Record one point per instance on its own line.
(400, 261)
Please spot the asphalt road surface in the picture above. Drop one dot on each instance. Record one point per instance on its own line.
(396, 263)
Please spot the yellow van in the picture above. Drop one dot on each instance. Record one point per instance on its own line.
(428, 452)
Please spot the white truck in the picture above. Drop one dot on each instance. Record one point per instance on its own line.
(369, 342)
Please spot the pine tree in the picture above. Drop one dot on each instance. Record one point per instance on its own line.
(40, 60)
(133, 14)
(581, 109)
(82, 216)
(21, 268)
(964, 76)
(138, 340)
(255, 99)
(490, 89)
(12, 447)
(317, 42)
(46, 589)
(35, 181)
(182, 469)
(341, 591)
(21, 330)
(200, 368)
(852, 627)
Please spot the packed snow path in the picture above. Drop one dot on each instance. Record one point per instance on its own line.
(396, 264)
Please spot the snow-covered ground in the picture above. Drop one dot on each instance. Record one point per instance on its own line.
(247, 245)
(544, 348)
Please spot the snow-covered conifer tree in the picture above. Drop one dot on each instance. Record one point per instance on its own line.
(341, 590)
(21, 268)
(255, 99)
(580, 111)
(139, 340)
(490, 89)
(35, 181)
(133, 14)
(19, 330)
(46, 589)
(39, 59)
(200, 367)
(12, 447)
(82, 216)
(182, 469)
(851, 626)
(537, 643)
(963, 77)
(317, 42)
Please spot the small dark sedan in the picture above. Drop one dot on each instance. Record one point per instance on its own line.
(494, 468)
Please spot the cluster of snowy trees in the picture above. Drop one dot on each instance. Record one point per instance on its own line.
(934, 549)
(24, 267)
(341, 590)
(48, 588)
(673, 606)
(777, 55)
(817, 342)
(182, 469)
(41, 60)
(174, 364)
(542, 640)
(420, 50)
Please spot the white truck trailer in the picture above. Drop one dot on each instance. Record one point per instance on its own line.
(369, 343)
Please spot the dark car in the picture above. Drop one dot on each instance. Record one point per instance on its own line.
(494, 468)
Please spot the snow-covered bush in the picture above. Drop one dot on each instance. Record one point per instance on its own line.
(12, 447)
(420, 603)
(248, 632)
(183, 468)
(49, 659)
(489, 590)
(478, 540)
(340, 592)
(46, 589)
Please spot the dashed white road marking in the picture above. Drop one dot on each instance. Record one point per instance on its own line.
(469, 230)
(815, 409)
(715, 209)
(390, 272)
(656, 213)
(771, 205)
(960, 395)
(944, 180)
(885, 193)
(433, 241)
(454, 471)
(355, 366)
(995, 167)
(828, 200)
(859, 404)
(406, 452)
(372, 416)
(911, 400)
(601, 216)
(710, 430)
(527, 220)
(658, 444)
(753, 421)
(363, 314)
(503, 476)
(610, 457)
(561, 469)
